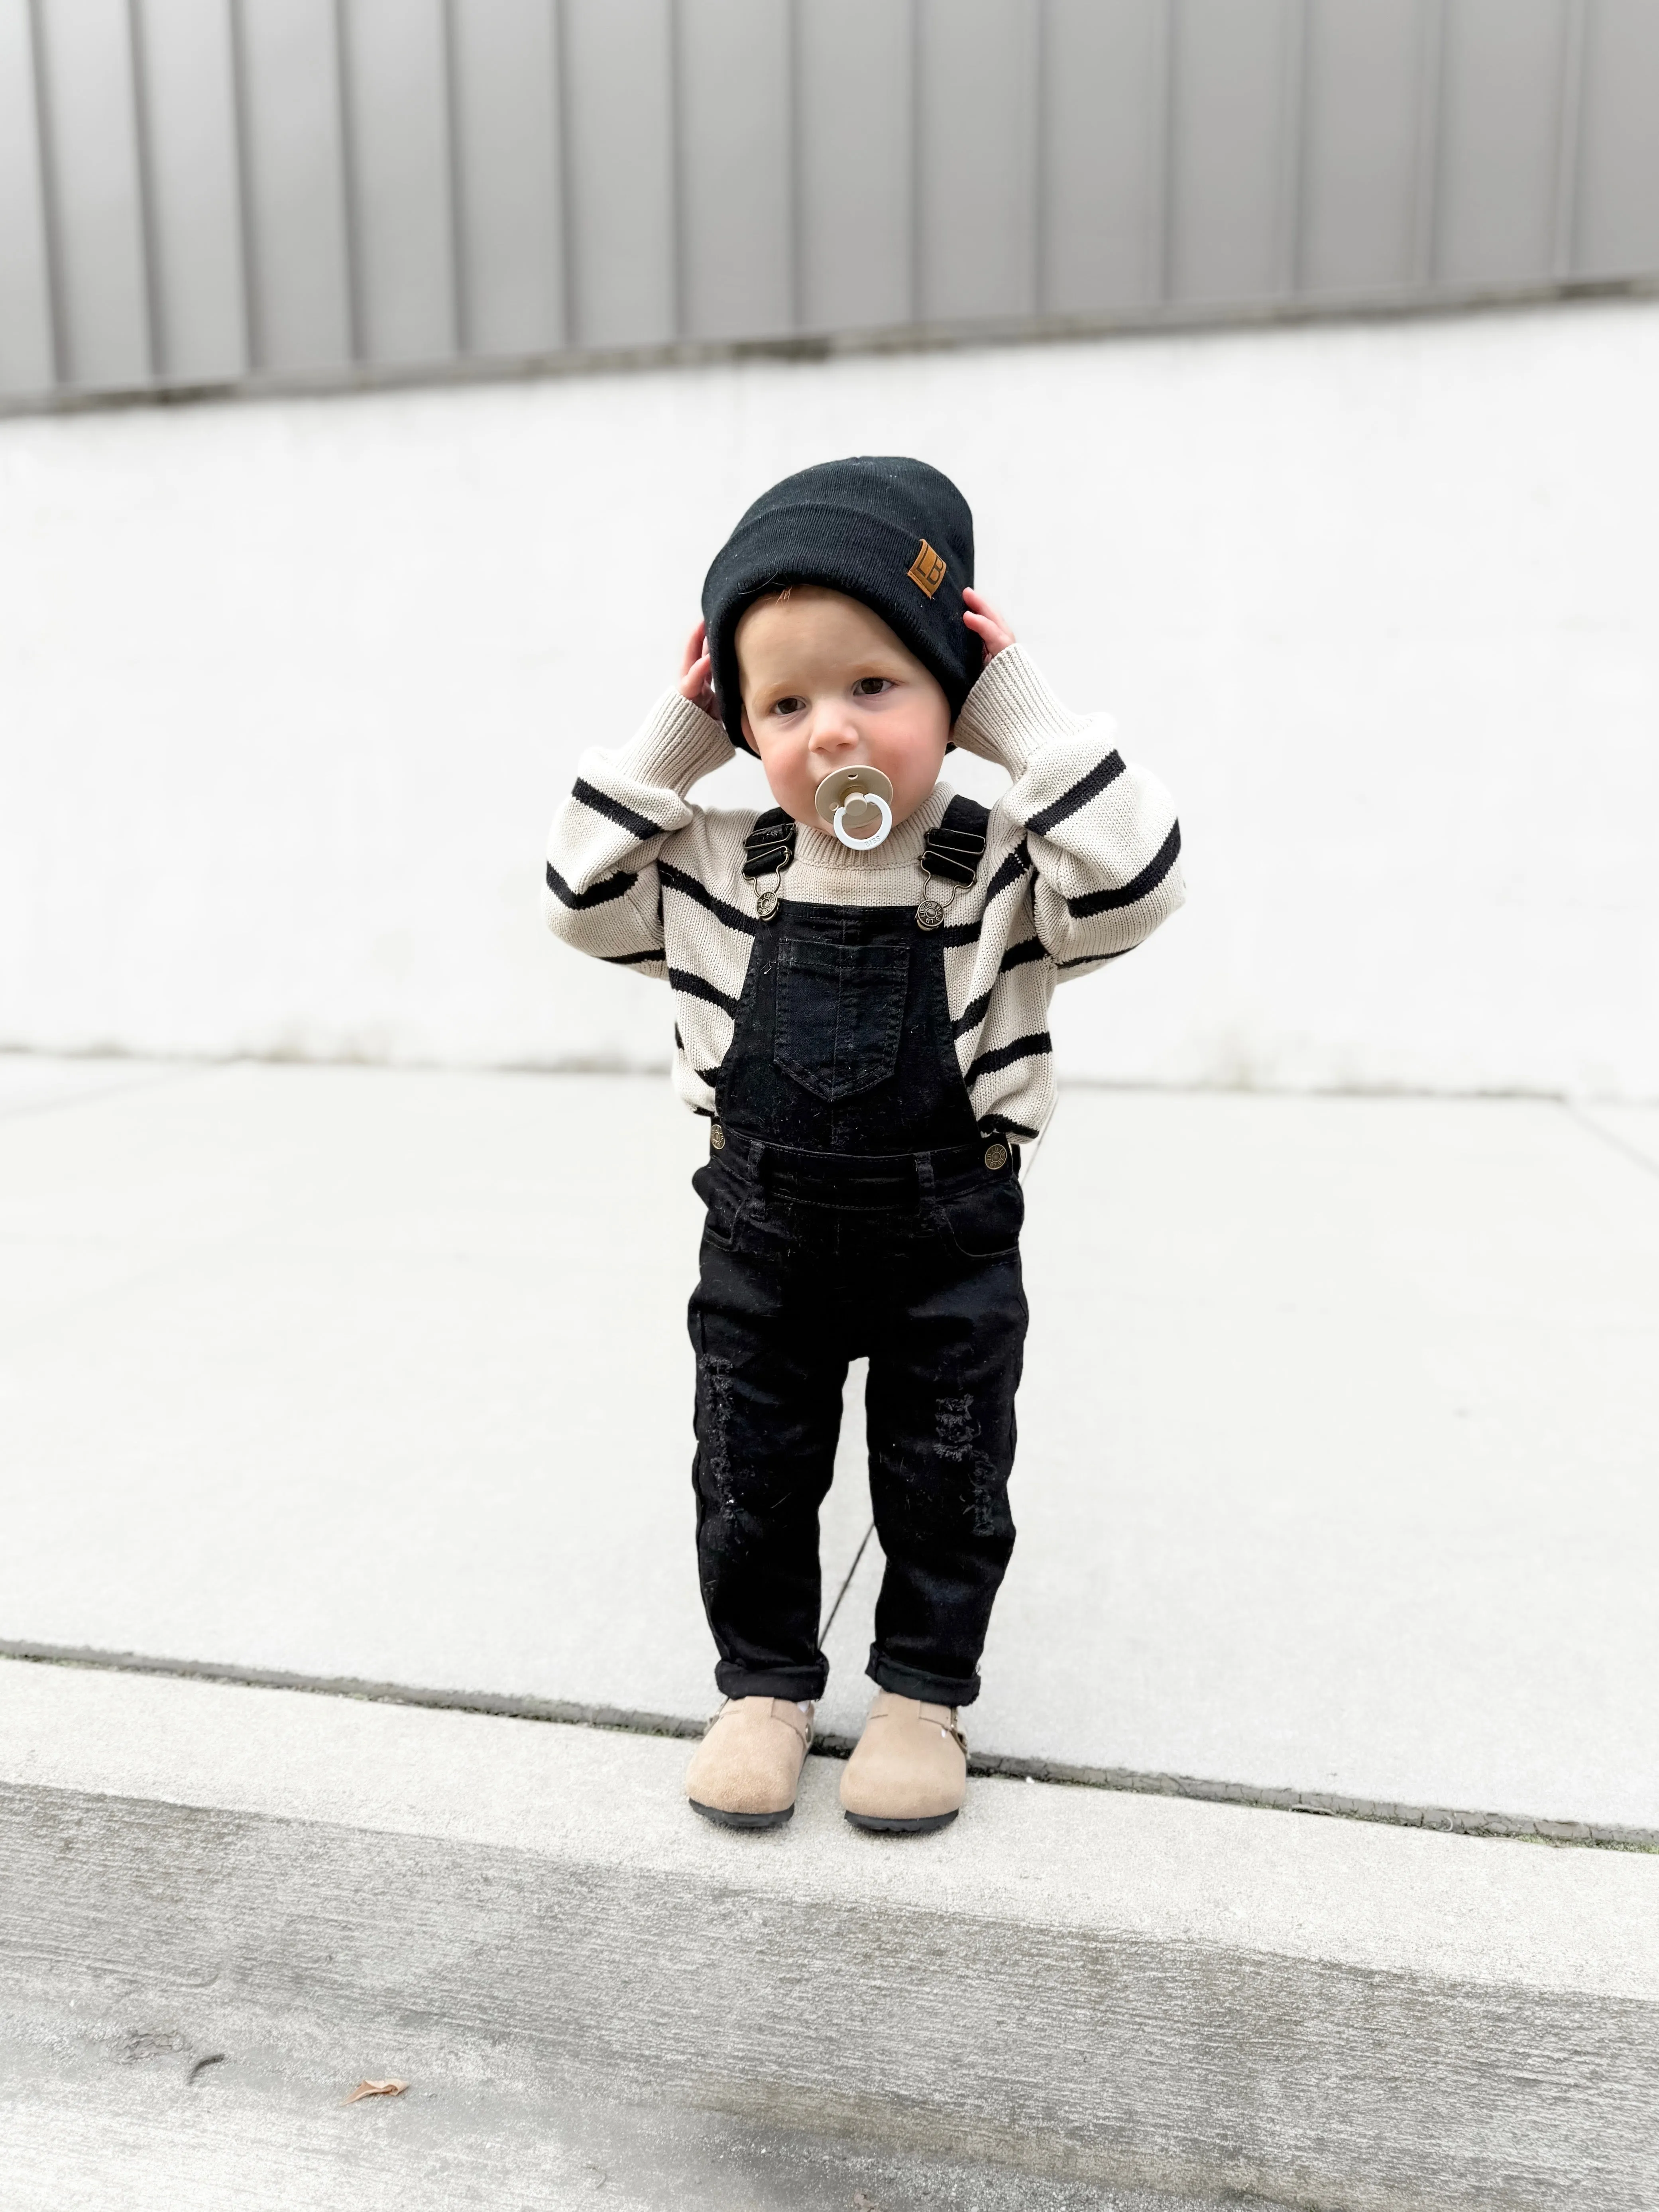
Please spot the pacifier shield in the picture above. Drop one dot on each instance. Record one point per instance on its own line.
(843, 784)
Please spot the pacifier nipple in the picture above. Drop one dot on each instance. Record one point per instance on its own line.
(856, 803)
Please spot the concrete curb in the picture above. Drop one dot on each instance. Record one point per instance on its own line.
(1130, 1989)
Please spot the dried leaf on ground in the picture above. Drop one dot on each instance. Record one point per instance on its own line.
(863, 2204)
(377, 2089)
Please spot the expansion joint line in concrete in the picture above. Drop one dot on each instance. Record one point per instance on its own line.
(1448, 1819)
(1633, 1153)
(847, 1584)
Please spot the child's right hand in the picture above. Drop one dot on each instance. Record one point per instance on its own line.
(697, 674)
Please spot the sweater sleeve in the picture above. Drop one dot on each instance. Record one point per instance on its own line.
(1101, 835)
(603, 894)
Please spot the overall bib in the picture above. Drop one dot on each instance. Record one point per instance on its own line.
(855, 1209)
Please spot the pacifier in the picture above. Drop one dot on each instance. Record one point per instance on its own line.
(854, 801)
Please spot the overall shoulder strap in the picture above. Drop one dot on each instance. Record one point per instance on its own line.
(770, 845)
(954, 850)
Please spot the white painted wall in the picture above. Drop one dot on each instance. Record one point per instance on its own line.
(288, 689)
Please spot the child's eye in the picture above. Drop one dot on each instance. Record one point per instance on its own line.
(788, 705)
(867, 687)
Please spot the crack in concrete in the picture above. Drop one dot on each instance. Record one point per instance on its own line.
(1447, 1819)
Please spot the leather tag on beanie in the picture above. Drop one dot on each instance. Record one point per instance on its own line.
(926, 571)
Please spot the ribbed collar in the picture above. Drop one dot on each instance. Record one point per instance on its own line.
(821, 848)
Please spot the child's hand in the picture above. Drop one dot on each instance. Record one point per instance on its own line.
(986, 623)
(697, 675)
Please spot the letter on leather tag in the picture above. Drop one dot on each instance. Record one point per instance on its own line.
(926, 571)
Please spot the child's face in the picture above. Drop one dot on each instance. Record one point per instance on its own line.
(826, 685)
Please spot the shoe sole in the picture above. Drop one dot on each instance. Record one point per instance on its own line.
(878, 1827)
(724, 1819)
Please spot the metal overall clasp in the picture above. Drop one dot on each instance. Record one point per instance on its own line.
(953, 855)
(932, 909)
(768, 850)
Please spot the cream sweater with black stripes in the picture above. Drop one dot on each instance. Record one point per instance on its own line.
(1081, 864)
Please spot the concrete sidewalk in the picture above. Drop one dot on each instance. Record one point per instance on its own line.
(1337, 1442)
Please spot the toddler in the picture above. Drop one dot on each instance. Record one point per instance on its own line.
(862, 977)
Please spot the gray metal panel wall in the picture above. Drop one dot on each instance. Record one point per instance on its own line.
(1233, 116)
(618, 119)
(1369, 109)
(509, 214)
(1615, 225)
(28, 349)
(1103, 146)
(209, 191)
(975, 144)
(95, 228)
(298, 271)
(400, 179)
(854, 105)
(186, 82)
(1503, 83)
(735, 71)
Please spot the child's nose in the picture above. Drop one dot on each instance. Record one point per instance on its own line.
(835, 731)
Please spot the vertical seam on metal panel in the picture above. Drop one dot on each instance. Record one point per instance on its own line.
(1293, 149)
(563, 175)
(791, 43)
(676, 284)
(146, 193)
(460, 314)
(1163, 105)
(252, 334)
(1037, 289)
(914, 228)
(1569, 140)
(348, 183)
(50, 227)
(1431, 104)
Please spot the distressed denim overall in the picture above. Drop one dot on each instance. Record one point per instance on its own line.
(854, 1208)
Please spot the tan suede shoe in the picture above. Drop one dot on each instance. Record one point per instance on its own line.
(747, 1768)
(909, 1773)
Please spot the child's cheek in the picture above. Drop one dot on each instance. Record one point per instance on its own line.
(914, 757)
(789, 778)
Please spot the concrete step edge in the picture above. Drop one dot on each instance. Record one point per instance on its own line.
(1138, 1991)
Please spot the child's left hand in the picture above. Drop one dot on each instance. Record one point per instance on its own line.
(986, 623)
(697, 674)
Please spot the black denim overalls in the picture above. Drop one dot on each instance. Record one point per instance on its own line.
(854, 1207)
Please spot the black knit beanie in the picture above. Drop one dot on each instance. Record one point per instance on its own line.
(892, 533)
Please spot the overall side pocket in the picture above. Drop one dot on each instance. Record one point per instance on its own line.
(985, 1223)
(724, 1195)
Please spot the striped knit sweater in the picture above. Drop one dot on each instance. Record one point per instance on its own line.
(1082, 863)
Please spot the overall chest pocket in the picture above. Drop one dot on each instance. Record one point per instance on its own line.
(841, 1014)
